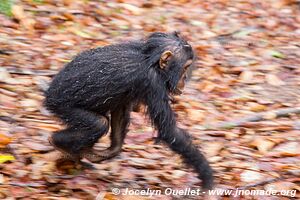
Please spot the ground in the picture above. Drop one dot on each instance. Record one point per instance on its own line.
(241, 106)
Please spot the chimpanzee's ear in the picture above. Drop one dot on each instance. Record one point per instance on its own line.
(164, 58)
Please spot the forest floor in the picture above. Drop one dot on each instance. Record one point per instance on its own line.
(242, 105)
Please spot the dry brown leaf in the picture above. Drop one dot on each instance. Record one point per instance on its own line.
(178, 174)
(287, 149)
(251, 176)
(246, 77)
(8, 102)
(255, 107)
(207, 86)
(213, 148)
(274, 80)
(4, 140)
(110, 196)
(26, 21)
(18, 12)
(48, 127)
(132, 8)
(281, 185)
(151, 156)
(5, 75)
(38, 146)
(143, 163)
(135, 197)
(262, 144)
(30, 104)
(270, 115)
(278, 4)
(196, 115)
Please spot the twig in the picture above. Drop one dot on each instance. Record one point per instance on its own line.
(254, 118)
(22, 184)
(15, 70)
(59, 11)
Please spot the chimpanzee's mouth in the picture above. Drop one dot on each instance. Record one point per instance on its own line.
(177, 91)
(174, 93)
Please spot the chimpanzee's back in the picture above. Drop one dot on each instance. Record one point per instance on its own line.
(95, 72)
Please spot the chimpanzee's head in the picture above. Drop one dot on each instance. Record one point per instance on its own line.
(173, 58)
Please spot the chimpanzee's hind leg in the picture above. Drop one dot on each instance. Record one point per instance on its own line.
(84, 128)
(119, 123)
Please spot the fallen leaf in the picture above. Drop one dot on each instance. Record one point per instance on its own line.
(213, 148)
(38, 146)
(274, 80)
(270, 115)
(178, 174)
(255, 107)
(132, 8)
(30, 104)
(81, 33)
(5, 157)
(26, 21)
(262, 144)
(282, 185)
(276, 54)
(250, 176)
(4, 140)
(4, 75)
(246, 77)
(196, 115)
(18, 12)
(143, 163)
(287, 149)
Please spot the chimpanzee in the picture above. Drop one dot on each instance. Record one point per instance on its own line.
(108, 81)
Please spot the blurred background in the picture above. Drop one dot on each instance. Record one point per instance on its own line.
(242, 104)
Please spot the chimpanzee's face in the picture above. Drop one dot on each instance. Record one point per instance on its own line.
(183, 77)
(176, 62)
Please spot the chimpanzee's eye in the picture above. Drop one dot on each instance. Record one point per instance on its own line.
(188, 64)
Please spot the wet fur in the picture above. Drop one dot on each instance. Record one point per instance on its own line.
(106, 79)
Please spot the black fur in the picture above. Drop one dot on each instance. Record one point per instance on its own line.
(111, 78)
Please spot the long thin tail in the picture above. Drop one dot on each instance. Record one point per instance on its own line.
(181, 143)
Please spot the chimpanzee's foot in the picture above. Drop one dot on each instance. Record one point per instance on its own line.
(66, 154)
(102, 155)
